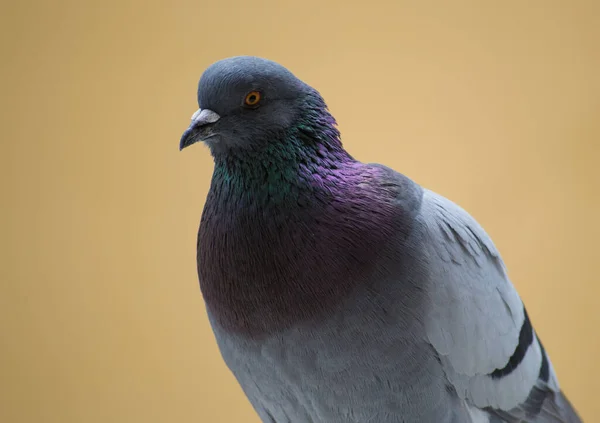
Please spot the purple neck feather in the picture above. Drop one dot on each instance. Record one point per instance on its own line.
(288, 232)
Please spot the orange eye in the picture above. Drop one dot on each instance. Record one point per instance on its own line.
(252, 99)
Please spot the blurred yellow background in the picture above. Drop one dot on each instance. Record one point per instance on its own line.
(495, 105)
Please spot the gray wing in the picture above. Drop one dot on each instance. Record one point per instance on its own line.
(479, 327)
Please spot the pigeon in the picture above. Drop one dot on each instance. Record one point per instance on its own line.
(344, 292)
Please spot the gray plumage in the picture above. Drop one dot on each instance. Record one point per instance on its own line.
(340, 291)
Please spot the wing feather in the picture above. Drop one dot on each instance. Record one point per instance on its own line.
(479, 326)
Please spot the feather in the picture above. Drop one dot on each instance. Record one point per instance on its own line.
(479, 326)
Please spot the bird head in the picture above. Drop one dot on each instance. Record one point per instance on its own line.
(245, 102)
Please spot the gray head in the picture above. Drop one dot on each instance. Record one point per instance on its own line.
(244, 102)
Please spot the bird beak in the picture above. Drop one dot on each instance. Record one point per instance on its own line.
(200, 127)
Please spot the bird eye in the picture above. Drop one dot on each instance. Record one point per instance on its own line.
(252, 99)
